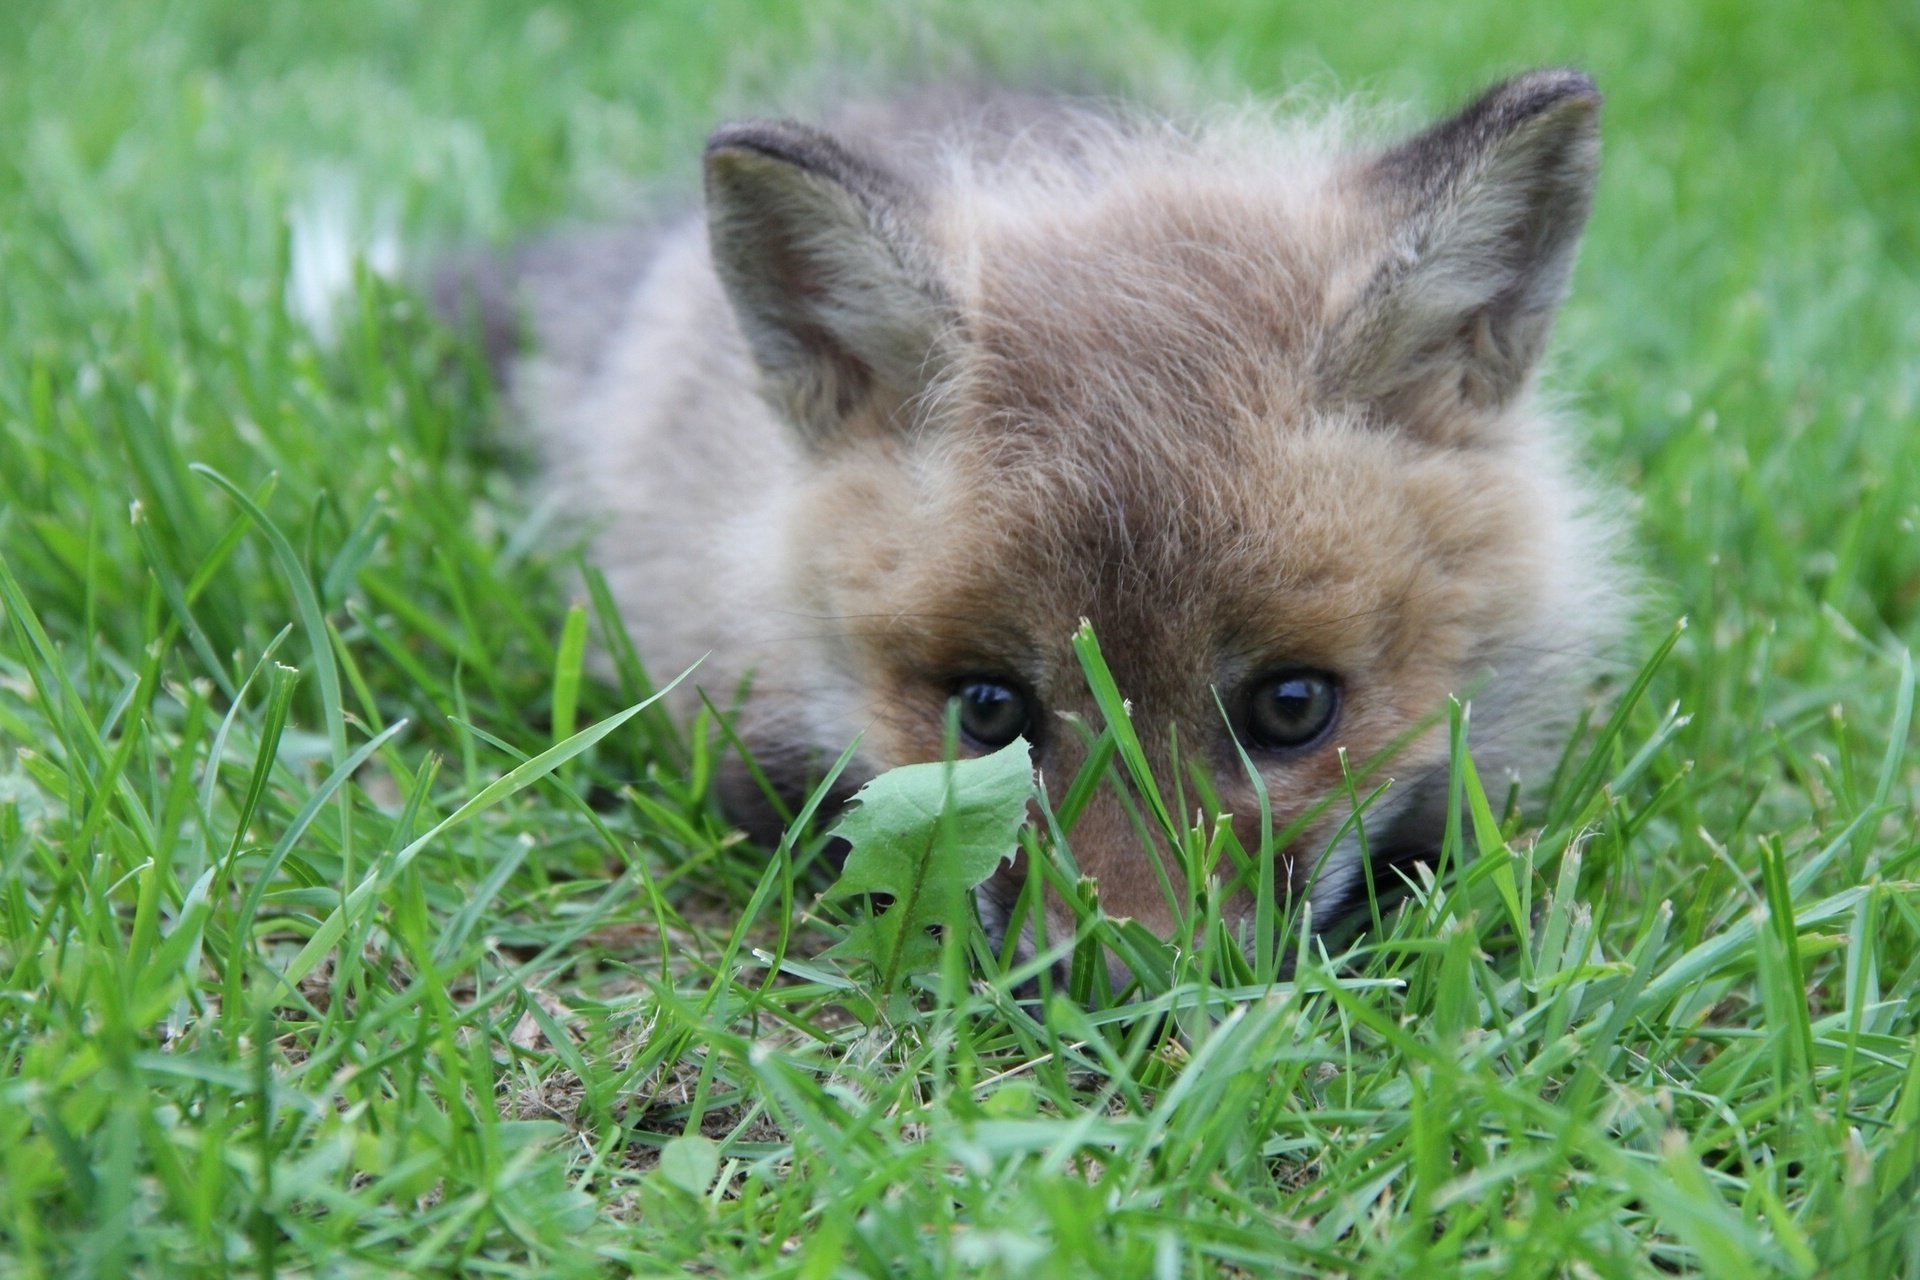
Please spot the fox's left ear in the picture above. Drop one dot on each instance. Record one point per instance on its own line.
(817, 248)
(1482, 214)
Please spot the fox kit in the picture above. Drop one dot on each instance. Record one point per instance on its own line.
(922, 389)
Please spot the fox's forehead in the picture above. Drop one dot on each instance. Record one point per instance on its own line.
(1176, 305)
(1133, 423)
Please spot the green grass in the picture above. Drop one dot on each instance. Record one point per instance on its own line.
(328, 947)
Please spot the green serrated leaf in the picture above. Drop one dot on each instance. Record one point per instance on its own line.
(928, 835)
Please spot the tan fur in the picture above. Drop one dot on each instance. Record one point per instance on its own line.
(1244, 397)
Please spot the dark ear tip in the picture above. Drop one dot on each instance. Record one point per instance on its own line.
(1535, 93)
(796, 147)
(775, 139)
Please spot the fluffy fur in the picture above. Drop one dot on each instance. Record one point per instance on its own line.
(924, 388)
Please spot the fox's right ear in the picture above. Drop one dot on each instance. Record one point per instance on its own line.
(831, 284)
(1482, 214)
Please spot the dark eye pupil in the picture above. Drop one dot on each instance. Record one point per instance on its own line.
(1292, 709)
(992, 714)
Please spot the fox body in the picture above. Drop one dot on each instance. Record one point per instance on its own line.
(923, 389)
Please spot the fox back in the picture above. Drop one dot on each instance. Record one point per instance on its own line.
(925, 388)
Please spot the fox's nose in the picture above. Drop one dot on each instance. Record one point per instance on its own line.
(1109, 848)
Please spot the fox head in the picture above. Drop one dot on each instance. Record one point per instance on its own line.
(1258, 408)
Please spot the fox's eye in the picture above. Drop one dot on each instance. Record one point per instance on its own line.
(1292, 709)
(992, 713)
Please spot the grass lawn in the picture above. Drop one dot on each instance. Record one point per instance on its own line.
(318, 957)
